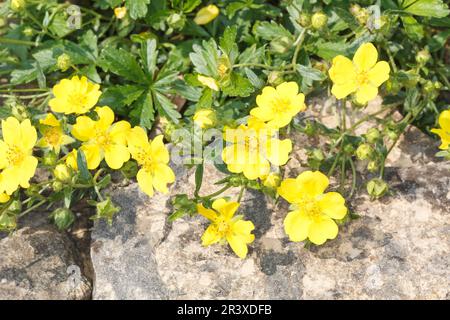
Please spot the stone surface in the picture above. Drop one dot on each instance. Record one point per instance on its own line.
(397, 249)
(40, 262)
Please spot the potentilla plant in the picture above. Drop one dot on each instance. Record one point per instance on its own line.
(99, 90)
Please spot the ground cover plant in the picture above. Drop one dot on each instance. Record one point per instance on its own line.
(91, 89)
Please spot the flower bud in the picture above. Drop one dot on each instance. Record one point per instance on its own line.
(304, 20)
(275, 78)
(120, 12)
(319, 20)
(272, 180)
(130, 169)
(64, 62)
(372, 166)
(364, 151)
(17, 5)
(423, 56)
(176, 21)
(372, 135)
(391, 134)
(63, 218)
(50, 159)
(205, 118)
(57, 186)
(63, 173)
(206, 14)
(28, 32)
(376, 188)
(355, 9)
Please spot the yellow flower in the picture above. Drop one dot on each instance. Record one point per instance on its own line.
(363, 75)
(226, 226)
(444, 132)
(120, 12)
(16, 5)
(53, 136)
(4, 197)
(16, 159)
(314, 210)
(206, 14)
(205, 118)
(153, 158)
(208, 82)
(279, 105)
(71, 159)
(103, 139)
(76, 95)
(253, 149)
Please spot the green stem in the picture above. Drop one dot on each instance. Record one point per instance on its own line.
(16, 41)
(26, 97)
(241, 194)
(257, 65)
(219, 192)
(352, 166)
(24, 90)
(37, 205)
(298, 43)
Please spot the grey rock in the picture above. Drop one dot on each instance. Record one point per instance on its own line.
(397, 249)
(39, 262)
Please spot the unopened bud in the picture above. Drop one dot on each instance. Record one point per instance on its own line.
(372, 135)
(423, 56)
(376, 188)
(64, 62)
(364, 151)
(319, 20)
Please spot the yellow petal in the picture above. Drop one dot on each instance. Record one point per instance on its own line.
(4, 197)
(240, 236)
(226, 209)
(289, 189)
(322, 229)
(93, 155)
(28, 135)
(26, 171)
(208, 82)
(379, 73)
(234, 157)
(137, 137)
(116, 155)
(445, 138)
(287, 89)
(256, 166)
(312, 183)
(11, 131)
(366, 93)
(365, 57)
(264, 114)
(145, 182)
(159, 150)
(278, 151)
(342, 70)
(265, 99)
(50, 120)
(84, 128)
(71, 159)
(280, 120)
(162, 176)
(207, 213)
(119, 132)
(333, 205)
(105, 117)
(444, 120)
(211, 236)
(296, 225)
(342, 90)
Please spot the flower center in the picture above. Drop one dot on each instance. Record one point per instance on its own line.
(222, 69)
(311, 207)
(281, 104)
(78, 99)
(362, 78)
(14, 156)
(103, 139)
(223, 227)
(52, 136)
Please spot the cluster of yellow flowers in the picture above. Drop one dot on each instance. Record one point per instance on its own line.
(253, 148)
(103, 138)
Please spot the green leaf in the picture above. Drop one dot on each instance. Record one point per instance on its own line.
(137, 8)
(63, 218)
(198, 178)
(143, 112)
(329, 50)
(238, 86)
(166, 108)
(310, 73)
(119, 97)
(426, 8)
(149, 56)
(122, 63)
(205, 58)
(271, 31)
(413, 29)
(228, 43)
(82, 166)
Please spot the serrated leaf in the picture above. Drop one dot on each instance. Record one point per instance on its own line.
(238, 86)
(119, 97)
(271, 31)
(82, 166)
(166, 107)
(204, 58)
(122, 63)
(228, 43)
(137, 8)
(310, 73)
(426, 8)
